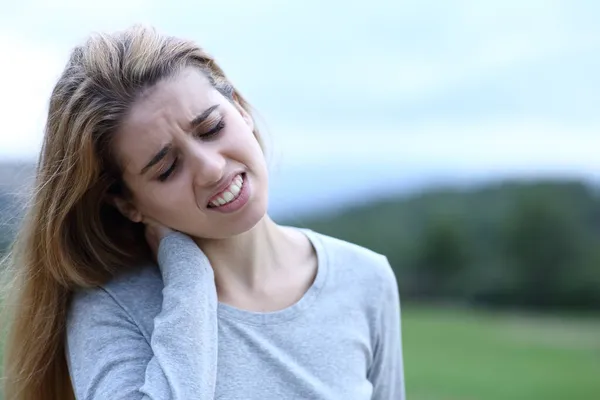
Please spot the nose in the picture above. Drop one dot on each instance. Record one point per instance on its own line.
(208, 165)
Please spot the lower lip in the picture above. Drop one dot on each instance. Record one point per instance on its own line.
(239, 201)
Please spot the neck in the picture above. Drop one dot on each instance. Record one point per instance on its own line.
(246, 261)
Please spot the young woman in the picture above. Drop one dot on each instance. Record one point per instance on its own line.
(147, 267)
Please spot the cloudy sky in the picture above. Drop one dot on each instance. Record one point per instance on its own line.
(481, 85)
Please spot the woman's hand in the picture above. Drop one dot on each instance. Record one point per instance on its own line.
(155, 232)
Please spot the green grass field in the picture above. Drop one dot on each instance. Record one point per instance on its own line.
(466, 355)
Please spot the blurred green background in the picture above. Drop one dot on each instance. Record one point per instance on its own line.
(500, 286)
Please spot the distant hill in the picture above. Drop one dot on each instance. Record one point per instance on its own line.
(15, 183)
(16, 176)
(533, 243)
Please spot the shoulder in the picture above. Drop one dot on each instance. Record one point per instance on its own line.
(134, 295)
(353, 264)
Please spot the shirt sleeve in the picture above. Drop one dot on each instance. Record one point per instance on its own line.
(387, 370)
(108, 356)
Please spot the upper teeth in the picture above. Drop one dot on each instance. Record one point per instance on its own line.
(230, 193)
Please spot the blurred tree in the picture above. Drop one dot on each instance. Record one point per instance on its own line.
(506, 243)
(545, 245)
(441, 257)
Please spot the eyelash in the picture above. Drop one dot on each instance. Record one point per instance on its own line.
(165, 175)
(210, 134)
(214, 131)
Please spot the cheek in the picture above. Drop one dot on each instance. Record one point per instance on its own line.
(240, 133)
(166, 201)
(248, 147)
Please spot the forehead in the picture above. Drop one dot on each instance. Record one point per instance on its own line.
(161, 114)
(175, 100)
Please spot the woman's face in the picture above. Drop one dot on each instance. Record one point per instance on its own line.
(185, 150)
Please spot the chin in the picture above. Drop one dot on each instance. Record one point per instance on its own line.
(247, 220)
(250, 215)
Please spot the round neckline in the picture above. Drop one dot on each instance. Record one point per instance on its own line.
(275, 317)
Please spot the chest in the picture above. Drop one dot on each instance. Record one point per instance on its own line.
(320, 360)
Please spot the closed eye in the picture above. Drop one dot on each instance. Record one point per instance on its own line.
(165, 175)
(214, 130)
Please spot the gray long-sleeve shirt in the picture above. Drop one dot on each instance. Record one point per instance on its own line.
(160, 333)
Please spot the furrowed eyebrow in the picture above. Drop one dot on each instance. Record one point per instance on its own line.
(157, 158)
(197, 121)
(202, 117)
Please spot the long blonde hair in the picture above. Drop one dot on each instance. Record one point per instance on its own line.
(71, 237)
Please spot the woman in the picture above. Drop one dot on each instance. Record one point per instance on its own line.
(147, 267)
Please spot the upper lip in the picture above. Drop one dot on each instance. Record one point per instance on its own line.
(223, 184)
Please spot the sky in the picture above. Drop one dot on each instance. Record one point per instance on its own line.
(499, 86)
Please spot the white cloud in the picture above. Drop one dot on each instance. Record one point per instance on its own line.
(89, 7)
(26, 78)
(407, 51)
(494, 144)
(474, 42)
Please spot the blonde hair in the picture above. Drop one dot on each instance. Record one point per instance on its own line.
(71, 237)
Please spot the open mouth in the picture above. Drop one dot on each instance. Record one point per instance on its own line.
(231, 193)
